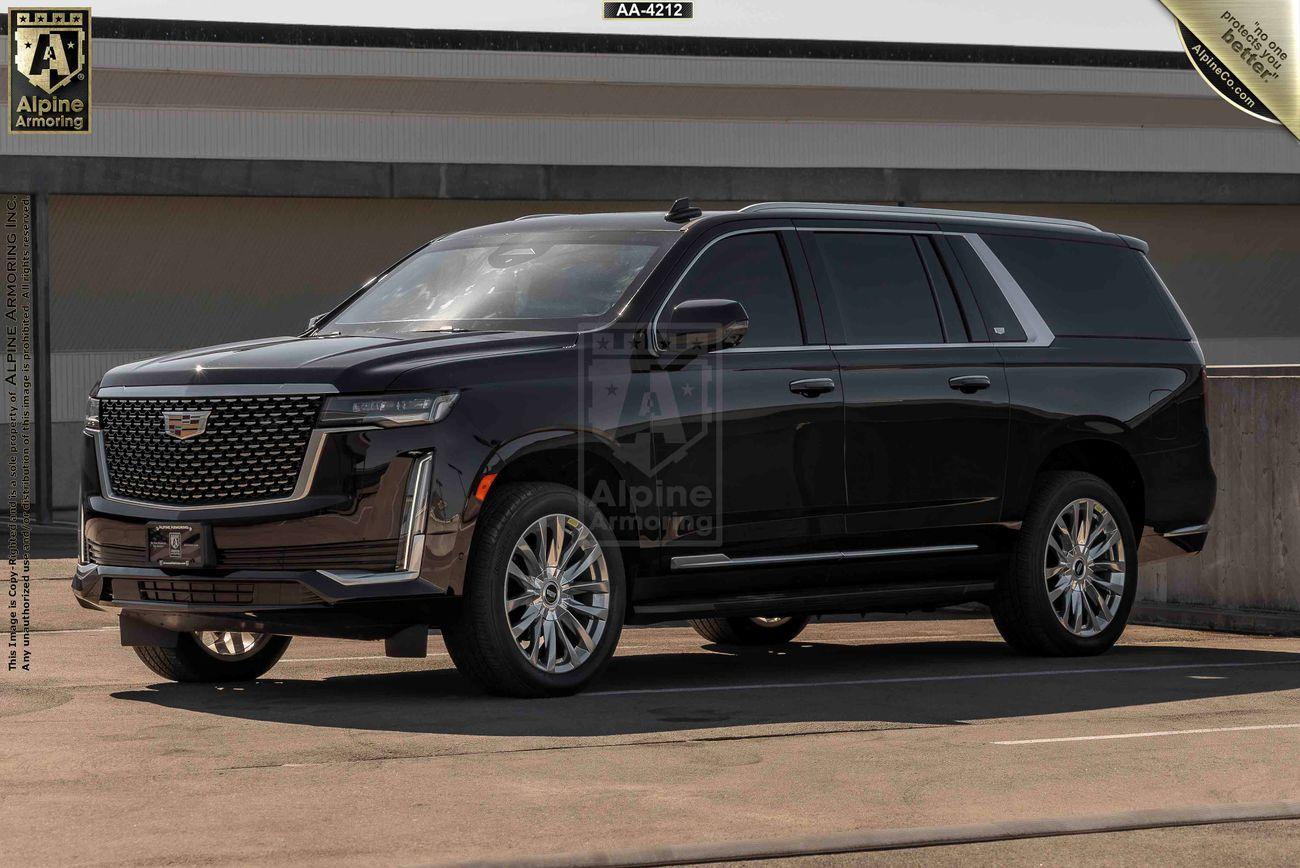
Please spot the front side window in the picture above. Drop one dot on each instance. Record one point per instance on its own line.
(750, 269)
(882, 288)
(507, 280)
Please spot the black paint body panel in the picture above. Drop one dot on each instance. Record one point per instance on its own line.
(892, 458)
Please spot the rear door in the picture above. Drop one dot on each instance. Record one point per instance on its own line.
(926, 404)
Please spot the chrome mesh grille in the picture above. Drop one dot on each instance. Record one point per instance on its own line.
(252, 449)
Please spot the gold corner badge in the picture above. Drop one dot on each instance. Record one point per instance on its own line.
(49, 70)
(1245, 50)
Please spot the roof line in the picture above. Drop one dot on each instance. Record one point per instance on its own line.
(825, 209)
(629, 43)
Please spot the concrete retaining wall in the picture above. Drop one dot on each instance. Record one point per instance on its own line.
(1248, 577)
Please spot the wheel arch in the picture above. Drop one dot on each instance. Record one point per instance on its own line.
(1108, 460)
(588, 462)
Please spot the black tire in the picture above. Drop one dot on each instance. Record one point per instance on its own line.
(749, 631)
(1021, 608)
(188, 661)
(479, 638)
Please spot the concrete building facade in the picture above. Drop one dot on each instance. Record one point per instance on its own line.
(240, 178)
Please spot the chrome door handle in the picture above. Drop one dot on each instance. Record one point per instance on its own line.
(813, 387)
(969, 384)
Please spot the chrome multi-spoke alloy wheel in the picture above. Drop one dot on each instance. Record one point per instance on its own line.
(557, 593)
(231, 646)
(1083, 567)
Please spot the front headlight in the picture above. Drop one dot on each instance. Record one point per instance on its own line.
(388, 411)
(92, 414)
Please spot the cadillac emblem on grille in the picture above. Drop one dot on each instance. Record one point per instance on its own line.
(185, 424)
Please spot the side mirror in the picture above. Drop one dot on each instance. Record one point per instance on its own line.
(702, 325)
(315, 321)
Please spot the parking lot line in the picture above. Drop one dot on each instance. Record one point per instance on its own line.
(1155, 734)
(920, 679)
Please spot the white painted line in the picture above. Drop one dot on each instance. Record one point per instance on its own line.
(74, 630)
(366, 657)
(922, 679)
(1156, 734)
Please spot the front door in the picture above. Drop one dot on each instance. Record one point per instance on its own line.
(753, 444)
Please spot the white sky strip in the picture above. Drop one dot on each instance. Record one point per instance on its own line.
(1123, 24)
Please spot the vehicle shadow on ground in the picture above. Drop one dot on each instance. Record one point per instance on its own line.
(912, 683)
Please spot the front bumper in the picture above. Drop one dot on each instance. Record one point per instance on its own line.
(376, 542)
(289, 602)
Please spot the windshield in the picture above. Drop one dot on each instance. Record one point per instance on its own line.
(513, 280)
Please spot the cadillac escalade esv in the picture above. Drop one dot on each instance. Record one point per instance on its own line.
(529, 434)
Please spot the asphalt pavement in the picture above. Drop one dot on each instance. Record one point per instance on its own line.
(869, 729)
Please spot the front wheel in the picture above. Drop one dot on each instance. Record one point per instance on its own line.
(544, 594)
(1073, 574)
(750, 631)
(215, 656)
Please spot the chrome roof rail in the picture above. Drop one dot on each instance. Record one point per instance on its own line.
(904, 211)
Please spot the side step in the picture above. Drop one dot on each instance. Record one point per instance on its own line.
(821, 601)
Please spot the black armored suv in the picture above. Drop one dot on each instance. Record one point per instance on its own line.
(532, 433)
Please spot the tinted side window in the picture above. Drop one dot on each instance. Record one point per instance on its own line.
(996, 311)
(1089, 290)
(880, 283)
(750, 269)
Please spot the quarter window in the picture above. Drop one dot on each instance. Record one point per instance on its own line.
(880, 283)
(750, 269)
(1085, 289)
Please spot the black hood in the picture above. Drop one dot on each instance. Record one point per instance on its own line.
(349, 363)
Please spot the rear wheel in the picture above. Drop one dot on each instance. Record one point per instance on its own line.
(215, 656)
(1073, 575)
(750, 631)
(544, 594)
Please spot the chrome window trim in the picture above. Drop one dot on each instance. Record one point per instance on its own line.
(1036, 329)
(215, 391)
(306, 475)
(718, 559)
(652, 333)
(1037, 332)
